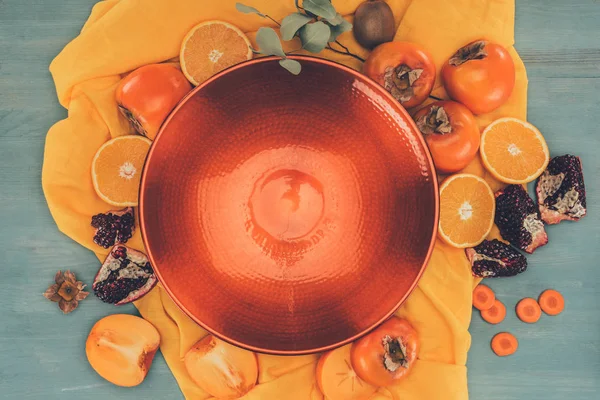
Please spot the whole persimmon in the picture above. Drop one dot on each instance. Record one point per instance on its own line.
(404, 69)
(121, 347)
(337, 379)
(147, 95)
(480, 75)
(387, 354)
(221, 369)
(451, 132)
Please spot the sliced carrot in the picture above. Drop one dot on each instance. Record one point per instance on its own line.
(528, 310)
(495, 314)
(483, 297)
(552, 302)
(504, 344)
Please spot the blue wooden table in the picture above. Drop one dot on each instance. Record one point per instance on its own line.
(42, 352)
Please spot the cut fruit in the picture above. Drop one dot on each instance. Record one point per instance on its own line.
(552, 302)
(514, 151)
(338, 380)
(117, 169)
(495, 314)
(528, 310)
(210, 47)
(121, 347)
(504, 344)
(467, 208)
(483, 298)
(221, 369)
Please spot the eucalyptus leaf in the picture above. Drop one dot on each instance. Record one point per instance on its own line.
(269, 43)
(248, 10)
(337, 30)
(322, 8)
(337, 20)
(291, 65)
(315, 36)
(292, 23)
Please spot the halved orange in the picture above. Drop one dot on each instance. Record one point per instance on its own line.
(210, 47)
(467, 208)
(117, 169)
(514, 151)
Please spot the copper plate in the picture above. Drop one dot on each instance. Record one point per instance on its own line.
(289, 214)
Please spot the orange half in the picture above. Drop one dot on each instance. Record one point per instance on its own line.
(514, 151)
(117, 169)
(467, 208)
(210, 47)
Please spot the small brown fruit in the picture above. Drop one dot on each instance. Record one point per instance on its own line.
(121, 348)
(220, 369)
(373, 24)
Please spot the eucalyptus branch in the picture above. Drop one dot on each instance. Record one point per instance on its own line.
(346, 51)
(269, 17)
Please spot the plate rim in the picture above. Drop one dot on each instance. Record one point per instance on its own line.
(399, 108)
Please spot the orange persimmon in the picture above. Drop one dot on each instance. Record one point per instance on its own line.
(147, 95)
(338, 380)
(404, 69)
(451, 133)
(221, 369)
(121, 347)
(480, 75)
(387, 354)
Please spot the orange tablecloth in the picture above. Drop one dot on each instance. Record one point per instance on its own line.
(121, 35)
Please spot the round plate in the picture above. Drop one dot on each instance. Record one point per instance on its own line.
(289, 214)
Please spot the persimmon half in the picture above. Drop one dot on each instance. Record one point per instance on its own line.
(404, 69)
(387, 354)
(147, 95)
(338, 380)
(121, 347)
(480, 75)
(451, 132)
(221, 369)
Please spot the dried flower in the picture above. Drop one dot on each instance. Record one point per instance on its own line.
(67, 291)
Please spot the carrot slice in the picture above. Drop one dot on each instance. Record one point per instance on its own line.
(483, 297)
(528, 310)
(504, 344)
(495, 314)
(552, 302)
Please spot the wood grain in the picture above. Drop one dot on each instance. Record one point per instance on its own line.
(41, 351)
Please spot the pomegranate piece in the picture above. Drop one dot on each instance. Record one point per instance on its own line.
(125, 276)
(494, 258)
(113, 227)
(120, 348)
(561, 191)
(518, 219)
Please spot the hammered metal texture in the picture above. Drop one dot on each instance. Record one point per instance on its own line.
(289, 214)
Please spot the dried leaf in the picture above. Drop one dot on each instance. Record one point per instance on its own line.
(247, 9)
(81, 295)
(59, 278)
(67, 306)
(315, 36)
(322, 8)
(52, 293)
(291, 65)
(292, 23)
(70, 277)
